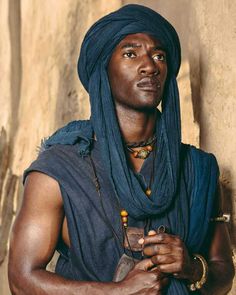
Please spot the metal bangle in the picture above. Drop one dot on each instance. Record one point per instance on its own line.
(198, 285)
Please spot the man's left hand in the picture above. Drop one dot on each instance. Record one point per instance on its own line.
(170, 255)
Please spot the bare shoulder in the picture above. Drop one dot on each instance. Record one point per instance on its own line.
(37, 225)
(41, 190)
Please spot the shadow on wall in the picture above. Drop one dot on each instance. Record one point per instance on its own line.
(227, 201)
(199, 67)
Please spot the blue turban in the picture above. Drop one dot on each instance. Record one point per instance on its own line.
(97, 48)
(105, 34)
(96, 51)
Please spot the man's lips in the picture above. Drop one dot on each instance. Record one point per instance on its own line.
(149, 84)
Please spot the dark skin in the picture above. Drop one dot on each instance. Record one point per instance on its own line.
(41, 220)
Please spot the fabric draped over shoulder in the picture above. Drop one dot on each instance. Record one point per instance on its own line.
(96, 51)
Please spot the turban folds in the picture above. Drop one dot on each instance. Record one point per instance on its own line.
(96, 51)
(106, 33)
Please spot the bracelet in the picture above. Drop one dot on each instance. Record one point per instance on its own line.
(198, 285)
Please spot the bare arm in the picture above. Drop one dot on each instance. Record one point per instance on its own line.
(34, 238)
(221, 268)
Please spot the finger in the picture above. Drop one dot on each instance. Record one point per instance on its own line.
(162, 238)
(152, 232)
(163, 259)
(154, 249)
(170, 267)
(141, 241)
(145, 264)
(163, 249)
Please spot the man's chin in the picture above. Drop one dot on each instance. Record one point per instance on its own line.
(148, 108)
(149, 105)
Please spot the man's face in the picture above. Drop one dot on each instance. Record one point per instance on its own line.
(137, 72)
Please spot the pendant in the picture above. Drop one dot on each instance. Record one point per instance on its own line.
(142, 154)
(148, 192)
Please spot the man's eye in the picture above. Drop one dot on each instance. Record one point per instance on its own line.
(160, 57)
(129, 54)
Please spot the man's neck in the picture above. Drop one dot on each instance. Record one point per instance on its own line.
(136, 126)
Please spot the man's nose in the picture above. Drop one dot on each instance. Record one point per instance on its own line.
(148, 66)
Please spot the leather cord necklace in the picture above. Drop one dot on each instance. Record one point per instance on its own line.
(148, 190)
(98, 189)
(105, 217)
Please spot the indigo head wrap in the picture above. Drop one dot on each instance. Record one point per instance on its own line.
(106, 33)
(96, 51)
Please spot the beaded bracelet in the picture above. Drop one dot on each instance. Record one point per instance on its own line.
(198, 285)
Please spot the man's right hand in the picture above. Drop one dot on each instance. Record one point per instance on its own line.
(143, 279)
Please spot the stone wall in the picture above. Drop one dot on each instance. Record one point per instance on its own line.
(40, 91)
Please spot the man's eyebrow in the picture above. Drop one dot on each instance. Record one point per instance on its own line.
(136, 45)
(159, 48)
(130, 45)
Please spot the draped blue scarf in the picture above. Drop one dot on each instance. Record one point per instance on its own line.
(97, 47)
(96, 51)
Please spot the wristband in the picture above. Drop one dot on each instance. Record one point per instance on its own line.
(198, 285)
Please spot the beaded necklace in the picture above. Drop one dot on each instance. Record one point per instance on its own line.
(146, 148)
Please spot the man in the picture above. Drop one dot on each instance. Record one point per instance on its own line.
(121, 186)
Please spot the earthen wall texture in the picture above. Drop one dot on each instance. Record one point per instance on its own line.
(39, 88)
(40, 91)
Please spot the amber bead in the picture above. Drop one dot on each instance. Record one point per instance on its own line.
(148, 192)
(124, 219)
(124, 213)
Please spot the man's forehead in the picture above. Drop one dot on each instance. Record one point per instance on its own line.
(138, 40)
